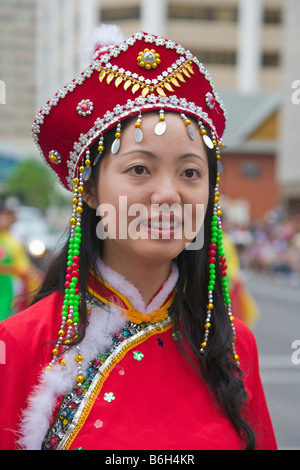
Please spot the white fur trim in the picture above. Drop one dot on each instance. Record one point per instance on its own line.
(104, 36)
(124, 287)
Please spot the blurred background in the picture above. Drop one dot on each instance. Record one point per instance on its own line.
(252, 50)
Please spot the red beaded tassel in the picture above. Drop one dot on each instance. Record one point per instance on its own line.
(70, 310)
(215, 245)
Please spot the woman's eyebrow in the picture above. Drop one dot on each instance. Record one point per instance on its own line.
(153, 156)
(147, 153)
(191, 154)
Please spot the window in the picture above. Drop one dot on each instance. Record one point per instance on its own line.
(251, 169)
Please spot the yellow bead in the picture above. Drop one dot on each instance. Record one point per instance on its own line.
(100, 148)
(137, 124)
(75, 201)
(79, 210)
(73, 221)
(207, 326)
(118, 135)
(87, 162)
(203, 345)
(219, 213)
(48, 367)
(236, 358)
(68, 341)
(65, 422)
(161, 118)
(203, 132)
(76, 181)
(53, 158)
(61, 333)
(231, 318)
(79, 379)
(55, 351)
(81, 168)
(216, 199)
(79, 358)
(80, 189)
(210, 306)
(187, 122)
(218, 157)
(70, 322)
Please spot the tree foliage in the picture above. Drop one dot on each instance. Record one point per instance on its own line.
(35, 185)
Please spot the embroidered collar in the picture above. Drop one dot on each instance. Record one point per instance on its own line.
(116, 291)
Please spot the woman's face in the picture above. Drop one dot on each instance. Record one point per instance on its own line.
(148, 192)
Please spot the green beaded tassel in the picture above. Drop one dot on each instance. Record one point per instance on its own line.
(216, 244)
(70, 308)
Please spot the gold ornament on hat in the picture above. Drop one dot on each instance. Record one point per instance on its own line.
(148, 59)
(174, 79)
(54, 157)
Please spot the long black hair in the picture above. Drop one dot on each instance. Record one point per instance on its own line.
(216, 366)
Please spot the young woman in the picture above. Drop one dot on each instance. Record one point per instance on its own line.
(131, 342)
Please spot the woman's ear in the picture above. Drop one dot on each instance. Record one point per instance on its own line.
(90, 199)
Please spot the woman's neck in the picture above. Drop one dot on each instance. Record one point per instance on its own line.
(147, 277)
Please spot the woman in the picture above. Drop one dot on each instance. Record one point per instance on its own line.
(148, 355)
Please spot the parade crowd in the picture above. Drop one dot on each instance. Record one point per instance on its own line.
(271, 247)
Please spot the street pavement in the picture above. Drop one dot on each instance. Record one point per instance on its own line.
(277, 333)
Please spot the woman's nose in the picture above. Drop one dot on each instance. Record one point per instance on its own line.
(165, 191)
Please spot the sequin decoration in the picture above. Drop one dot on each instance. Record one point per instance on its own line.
(109, 397)
(138, 355)
(98, 423)
(176, 335)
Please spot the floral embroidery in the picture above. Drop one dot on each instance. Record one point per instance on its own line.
(98, 423)
(176, 335)
(109, 397)
(138, 355)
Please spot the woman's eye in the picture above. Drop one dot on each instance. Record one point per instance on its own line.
(138, 170)
(191, 173)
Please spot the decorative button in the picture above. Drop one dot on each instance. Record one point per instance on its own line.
(148, 59)
(54, 157)
(85, 107)
(210, 100)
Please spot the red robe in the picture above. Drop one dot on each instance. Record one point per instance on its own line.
(149, 397)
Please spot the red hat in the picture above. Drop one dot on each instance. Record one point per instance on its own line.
(140, 74)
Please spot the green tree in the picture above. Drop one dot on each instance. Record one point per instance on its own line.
(35, 184)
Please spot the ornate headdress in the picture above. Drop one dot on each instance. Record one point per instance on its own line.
(140, 74)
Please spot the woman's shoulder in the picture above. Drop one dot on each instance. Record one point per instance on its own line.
(246, 345)
(33, 326)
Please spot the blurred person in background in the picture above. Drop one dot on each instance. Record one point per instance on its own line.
(17, 277)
